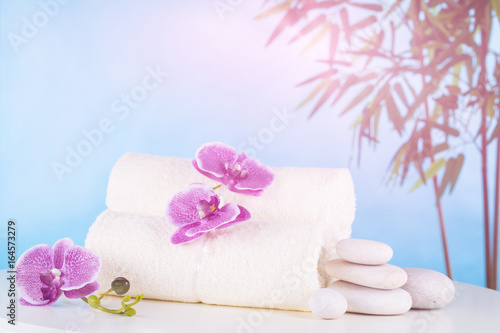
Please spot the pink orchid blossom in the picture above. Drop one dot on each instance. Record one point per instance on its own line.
(240, 173)
(196, 210)
(44, 273)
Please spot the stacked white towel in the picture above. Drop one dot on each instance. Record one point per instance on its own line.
(274, 260)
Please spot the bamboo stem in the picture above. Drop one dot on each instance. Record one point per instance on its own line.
(484, 177)
(484, 163)
(443, 229)
(495, 218)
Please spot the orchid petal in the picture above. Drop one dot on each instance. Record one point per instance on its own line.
(81, 266)
(180, 235)
(243, 216)
(49, 302)
(32, 263)
(254, 176)
(182, 208)
(226, 214)
(59, 248)
(222, 180)
(231, 187)
(83, 291)
(214, 158)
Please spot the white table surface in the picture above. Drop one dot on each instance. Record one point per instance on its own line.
(474, 309)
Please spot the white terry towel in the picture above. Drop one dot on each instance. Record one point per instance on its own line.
(275, 260)
(142, 184)
(268, 264)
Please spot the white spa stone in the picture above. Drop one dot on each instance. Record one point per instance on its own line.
(381, 276)
(327, 303)
(364, 251)
(428, 289)
(373, 301)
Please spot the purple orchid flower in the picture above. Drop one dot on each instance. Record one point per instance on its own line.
(240, 173)
(44, 273)
(196, 210)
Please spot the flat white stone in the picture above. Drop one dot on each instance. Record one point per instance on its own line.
(327, 303)
(373, 301)
(428, 289)
(364, 251)
(381, 276)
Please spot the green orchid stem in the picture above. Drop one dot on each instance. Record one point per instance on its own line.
(216, 187)
(107, 292)
(137, 300)
(122, 310)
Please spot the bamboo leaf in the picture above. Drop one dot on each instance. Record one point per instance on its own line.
(351, 80)
(453, 90)
(398, 160)
(490, 111)
(439, 148)
(275, 10)
(447, 177)
(363, 23)
(393, 113)
(495, 133)
(320, 35)
(290, 18)
(366, 46)
(438, 109)
(496, 6)
(470, 70)
(456, 171)
(426, 91)
(345, 24)
(376, 118)
(369, 6)
(431, 172)
(434, 20)
(318, 21)
(394, 6)
(357, 121)
(328, 92)
(319, 76)
(362, 95)
(316, 90)
(334, 36)
(456, 73)
(399, 90)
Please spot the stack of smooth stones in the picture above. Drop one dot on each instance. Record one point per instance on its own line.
(368, 284)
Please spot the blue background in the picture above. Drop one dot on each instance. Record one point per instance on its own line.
(222, 85)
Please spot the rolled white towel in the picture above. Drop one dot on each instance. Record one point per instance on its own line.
(269, 264)
(142, 184)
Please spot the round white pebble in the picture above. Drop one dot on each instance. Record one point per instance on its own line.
(327, 303)
(364, 251)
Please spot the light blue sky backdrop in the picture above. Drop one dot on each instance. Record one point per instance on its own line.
(222, 85)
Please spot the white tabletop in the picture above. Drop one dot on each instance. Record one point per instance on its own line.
(474, 309)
